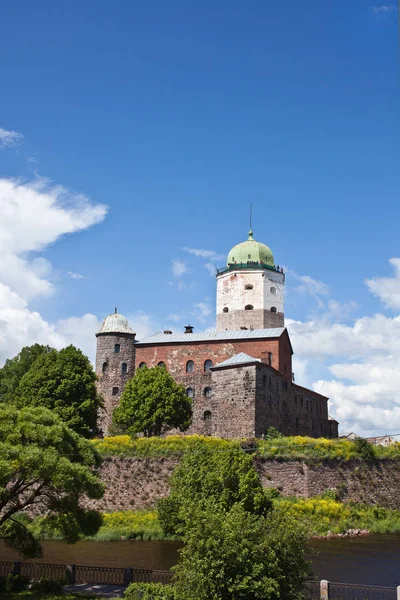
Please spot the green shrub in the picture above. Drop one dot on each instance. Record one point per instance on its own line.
(46, 585)
(149, 591)
(16, 583)
(272, 433)
(364, 449)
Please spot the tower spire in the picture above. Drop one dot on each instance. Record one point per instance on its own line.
(251, 219)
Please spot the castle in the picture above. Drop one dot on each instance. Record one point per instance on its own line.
(240, 375)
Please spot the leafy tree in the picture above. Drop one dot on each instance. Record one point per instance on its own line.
(63, 381)
(152, 403)
(46, 467)
(15, 368)
(235, 555)
(227, 476)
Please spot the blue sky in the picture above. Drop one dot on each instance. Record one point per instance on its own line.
(175, 116)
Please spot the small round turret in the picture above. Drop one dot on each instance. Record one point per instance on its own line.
(115, 362)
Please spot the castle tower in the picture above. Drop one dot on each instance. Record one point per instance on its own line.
(250, 289)
(115, 363)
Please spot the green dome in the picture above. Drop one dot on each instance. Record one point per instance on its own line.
(251, 250)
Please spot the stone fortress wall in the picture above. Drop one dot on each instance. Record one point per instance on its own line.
(135, 483)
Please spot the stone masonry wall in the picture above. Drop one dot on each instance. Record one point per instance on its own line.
(249, 319)
(112, 378)
(134, 483)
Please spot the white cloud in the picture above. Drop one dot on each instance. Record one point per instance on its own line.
(73, 275)
(179, 268)
(174, 318)
(10, 138)
(201, 253)
(308, 285)
(383, 9)
(387, 289)
(202, 310)
(80, 331)
(211, 268)
(357, 365)
(34, 215)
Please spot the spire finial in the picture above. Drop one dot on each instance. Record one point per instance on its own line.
(115, 311)
(251, 230)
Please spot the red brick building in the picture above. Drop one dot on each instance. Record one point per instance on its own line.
(240, 379)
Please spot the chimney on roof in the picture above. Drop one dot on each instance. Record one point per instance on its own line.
(167, 331)
(188, 328)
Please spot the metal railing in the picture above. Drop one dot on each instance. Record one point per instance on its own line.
(249, 265)
(331, 590)
(85, 573)
(36, 571)
(99, 575)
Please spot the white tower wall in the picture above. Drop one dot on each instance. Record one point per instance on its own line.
(260, 290)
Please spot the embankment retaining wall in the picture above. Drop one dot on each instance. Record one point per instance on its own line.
(135, 483)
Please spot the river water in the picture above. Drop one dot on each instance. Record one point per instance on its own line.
(371, 560)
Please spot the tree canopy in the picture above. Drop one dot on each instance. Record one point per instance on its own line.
(15, 368)
(227, 476)
(63, 381)
(153, 403)
(46, 467)
(236, 555)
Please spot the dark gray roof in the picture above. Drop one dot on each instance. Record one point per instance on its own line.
(239, 359)
(210, 336)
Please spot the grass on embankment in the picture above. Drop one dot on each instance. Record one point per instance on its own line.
(325, 514)
(284, 448)
(321, 515)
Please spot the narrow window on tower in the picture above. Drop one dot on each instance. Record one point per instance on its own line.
(190, 392)
(161, 364)
(225, 309)
(273, 290)
(270, 358)
(115, 391)
(207, 392)
(207, 365)
(117, 348)
(124, 368)
(207, 415)
(105, 367)
(273, 309)
(248, 286)
(190, 366)
(142, 364)
(248, 307)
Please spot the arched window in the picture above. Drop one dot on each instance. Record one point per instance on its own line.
(207, 392)
(117, 348)
(105, 367)
(207, 365)
(115, 391)
(190, 392)
(273, 309)
(161, 364)
(225, 309)
(190, 366)
(207, 415)
(273, 290)
(142, 364)
(124, 368)
(248, 307)
(248, 286)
